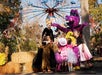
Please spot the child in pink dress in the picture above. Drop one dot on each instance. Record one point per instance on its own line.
(67, 55)
(72, 59)
(63, 53)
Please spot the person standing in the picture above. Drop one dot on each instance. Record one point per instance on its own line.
(48, 32)
(85, 54)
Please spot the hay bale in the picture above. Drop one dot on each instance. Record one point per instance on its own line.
(27, 67)
(22, 57)
(10, 68)
(25, 59)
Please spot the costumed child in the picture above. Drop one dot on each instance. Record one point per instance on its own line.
(57, 57)
(48, 58)
(45, 58)
(70, 35)
(62, 54)
(72, 59)
(85, 54)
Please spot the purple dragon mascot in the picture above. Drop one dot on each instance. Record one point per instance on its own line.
(72, 24)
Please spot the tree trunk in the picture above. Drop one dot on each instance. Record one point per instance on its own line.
(85, 19)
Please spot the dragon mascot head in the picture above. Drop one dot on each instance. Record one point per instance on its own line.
(73, 19)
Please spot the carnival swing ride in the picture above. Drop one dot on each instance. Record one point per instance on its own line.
(43, 10)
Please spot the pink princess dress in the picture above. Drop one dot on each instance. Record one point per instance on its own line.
(67, 54)
(84, 55)
(64, 53)
(71, 55)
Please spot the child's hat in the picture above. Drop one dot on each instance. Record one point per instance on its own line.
(62, 41)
